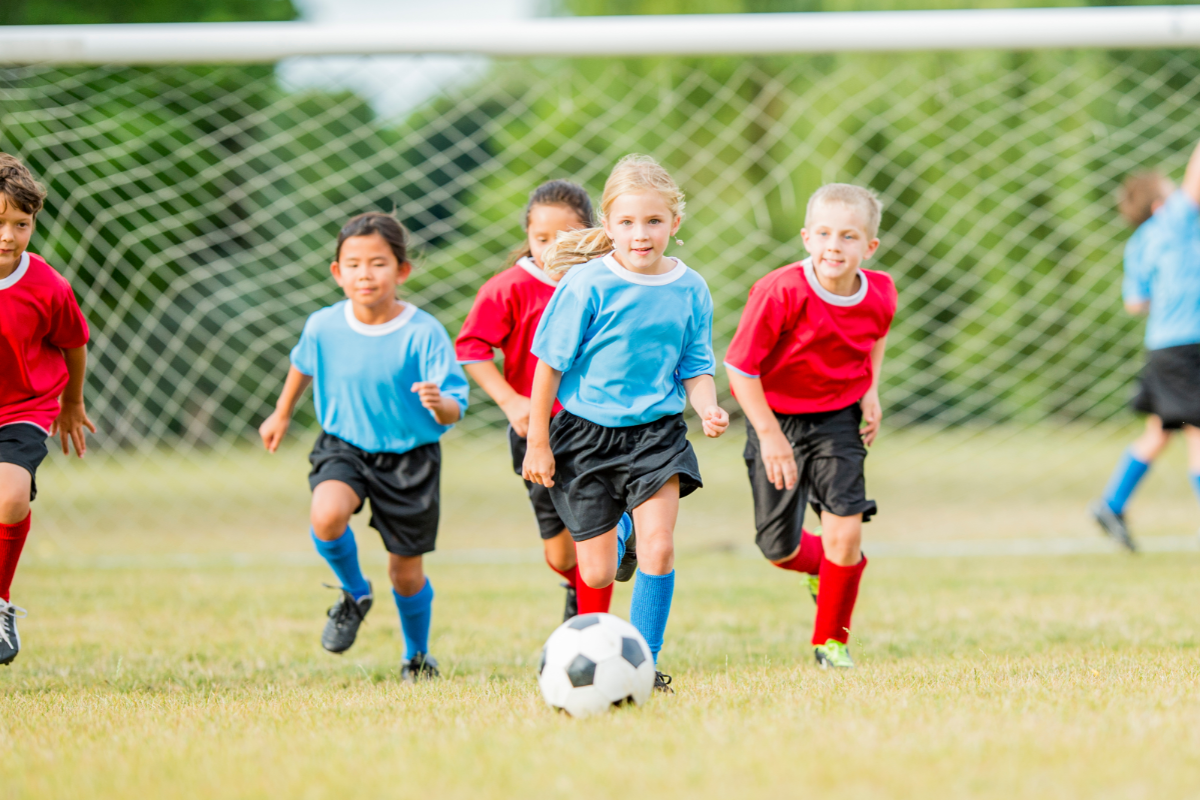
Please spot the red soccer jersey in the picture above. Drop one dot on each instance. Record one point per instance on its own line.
(810, 347)
(505, 316)
(39, 318)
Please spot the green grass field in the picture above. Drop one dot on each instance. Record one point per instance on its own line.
(172, 644)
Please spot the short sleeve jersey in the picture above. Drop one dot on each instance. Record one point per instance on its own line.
(810, 347)
(1162, 265)
(39, 318)
(504, 317)
(625, 342)
(363, 376)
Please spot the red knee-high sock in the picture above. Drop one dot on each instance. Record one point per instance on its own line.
(592, 600)
(12, 540)
(835, 602)
(808, 557)
(572, 574)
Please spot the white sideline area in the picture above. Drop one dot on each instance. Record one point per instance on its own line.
(686, 34)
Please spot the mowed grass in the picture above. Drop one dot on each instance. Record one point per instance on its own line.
(183, 660)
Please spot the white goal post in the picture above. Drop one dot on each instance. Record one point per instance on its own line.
(700, 34)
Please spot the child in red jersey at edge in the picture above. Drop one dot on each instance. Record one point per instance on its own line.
(505, 315)
(43, 356)
(805, 365)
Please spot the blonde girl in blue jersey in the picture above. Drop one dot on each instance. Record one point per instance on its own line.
(624, 344)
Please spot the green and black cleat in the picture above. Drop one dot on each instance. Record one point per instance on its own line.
(833, 655)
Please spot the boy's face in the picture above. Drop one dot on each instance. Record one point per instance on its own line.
(16, 226)
(544, 224)
(368, 272)
(836, 238)
(640, 225)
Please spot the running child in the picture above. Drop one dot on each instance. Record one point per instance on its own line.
(43, 359)
(386, 387)
(805, 365)
(624, 343)
(1162, 281)
(504, 317)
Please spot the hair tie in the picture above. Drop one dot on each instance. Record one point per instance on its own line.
(679, 242)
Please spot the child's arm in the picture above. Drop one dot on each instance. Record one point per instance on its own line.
(514, 405)
(775, 449)
(539, 459)
(444, 407)
(1191, 178)
(702, 393)
(276, 425)
(872, 409)
(72, 417)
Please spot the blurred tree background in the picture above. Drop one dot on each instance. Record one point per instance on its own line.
(194, 208)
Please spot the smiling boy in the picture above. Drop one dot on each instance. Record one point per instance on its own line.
(805, 365)
(43, 358)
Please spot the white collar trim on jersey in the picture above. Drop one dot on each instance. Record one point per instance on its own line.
(828, 296)
(390, 326)
(17, 273)
(533, 269)
(662, 279)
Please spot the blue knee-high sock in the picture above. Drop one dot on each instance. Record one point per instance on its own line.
(1130, 470)
(342, 556)
(416, 612)
(1195, 478)
(651, 606)
(624, 528)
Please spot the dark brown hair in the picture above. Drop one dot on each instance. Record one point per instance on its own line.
(1140, 193)
(17, 184)
(385, 225)
(566, 194)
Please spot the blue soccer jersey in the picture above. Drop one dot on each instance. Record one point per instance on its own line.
(625, 342)
(1162, 265)
(363, 376)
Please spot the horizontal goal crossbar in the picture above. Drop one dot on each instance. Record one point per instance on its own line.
(698, 34)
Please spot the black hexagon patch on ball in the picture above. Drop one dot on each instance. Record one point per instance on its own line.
(631, 651)
(584, 621)
(581, 671)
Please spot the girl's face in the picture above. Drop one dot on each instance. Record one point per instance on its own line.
(368, 271)
(544, 224)
(640, 225)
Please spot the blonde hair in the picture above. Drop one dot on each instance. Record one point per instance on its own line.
(859, 198)
(1140, 193)
(633, 173)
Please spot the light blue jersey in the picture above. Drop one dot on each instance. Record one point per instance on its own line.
(625, 342)
(363, 376)
(1162, 265)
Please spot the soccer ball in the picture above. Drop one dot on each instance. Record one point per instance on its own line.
(594, 662)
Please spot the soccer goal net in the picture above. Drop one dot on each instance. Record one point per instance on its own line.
(194, 208)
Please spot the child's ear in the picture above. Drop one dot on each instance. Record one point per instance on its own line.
(872, 246)
(675, 225)
(804, 238)
(405, 270)
(336, 271)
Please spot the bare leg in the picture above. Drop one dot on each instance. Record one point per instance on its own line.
(407, 574)
(560, 551)
(842, 537)
(1152, 442)
(333, 503)
(654, 521)
(15, 483)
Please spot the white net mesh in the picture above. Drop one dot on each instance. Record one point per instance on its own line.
(194, 210)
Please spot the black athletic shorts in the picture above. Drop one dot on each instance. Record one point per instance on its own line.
(404, 489)
(829, 455)
(549, 523)
(600, 473)
(24, 444)
(1170, 386)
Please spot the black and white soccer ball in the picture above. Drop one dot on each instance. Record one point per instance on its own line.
(594, 662)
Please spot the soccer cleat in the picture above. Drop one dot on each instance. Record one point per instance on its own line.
(1113, 525)
(421, 667)
(572, 607)
(813, 584)
(10, 640)
(345, 617)
(833, 654)
(662, 683)
(628, 564)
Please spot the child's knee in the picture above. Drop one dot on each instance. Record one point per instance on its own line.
(560, 551)
(656, 553)
(407, 574)
(14, 497)
(597, 576)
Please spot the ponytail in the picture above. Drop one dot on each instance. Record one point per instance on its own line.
(574, 247)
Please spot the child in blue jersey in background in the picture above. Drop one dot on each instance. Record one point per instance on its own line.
(624, 343)
(1162, 280)
(387, 386)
